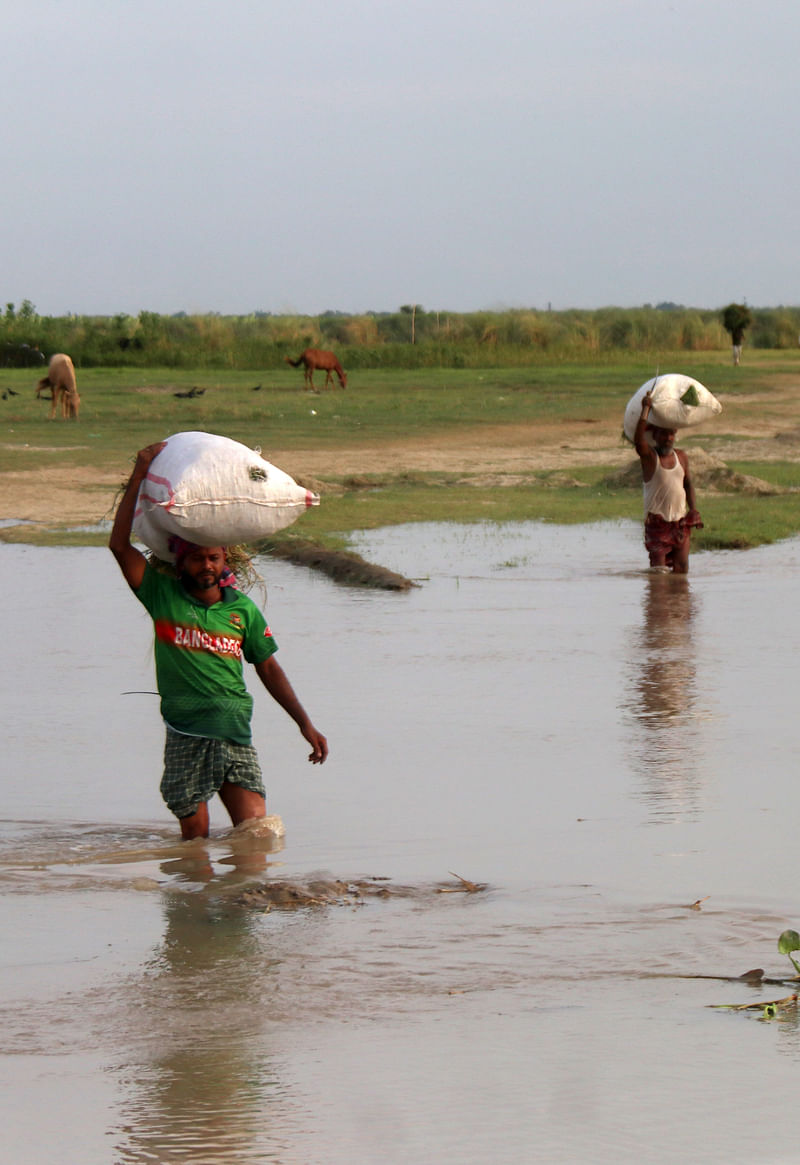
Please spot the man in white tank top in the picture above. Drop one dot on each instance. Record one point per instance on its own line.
(669, 502)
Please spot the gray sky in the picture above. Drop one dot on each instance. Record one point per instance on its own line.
(355, 155)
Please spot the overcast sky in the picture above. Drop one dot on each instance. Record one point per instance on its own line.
(356, 155)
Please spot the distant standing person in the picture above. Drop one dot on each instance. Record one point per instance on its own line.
(737, 339)
(736, 319)
(669, 501)
(204, 627)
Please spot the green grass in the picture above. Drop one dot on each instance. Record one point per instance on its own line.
(739, 522)
(432, 500)
(785, 474)
(122, 405)
(123, 409)
(731, 520)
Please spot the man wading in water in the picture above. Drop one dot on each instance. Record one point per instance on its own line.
(669, 502)
(203, 629)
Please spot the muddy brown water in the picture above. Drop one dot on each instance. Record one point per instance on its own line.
(600, 747)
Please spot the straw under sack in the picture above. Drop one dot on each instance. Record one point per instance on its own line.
(215, 492)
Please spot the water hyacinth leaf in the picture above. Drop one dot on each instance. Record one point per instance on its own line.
(790, 941)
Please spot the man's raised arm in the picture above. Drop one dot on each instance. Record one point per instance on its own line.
(647, 454)
(132, 562)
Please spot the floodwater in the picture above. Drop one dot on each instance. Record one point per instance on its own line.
(612, 753)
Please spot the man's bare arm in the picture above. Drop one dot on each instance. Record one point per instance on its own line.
(132, 562)
(688, 486)
(274, 679)
(647, 454)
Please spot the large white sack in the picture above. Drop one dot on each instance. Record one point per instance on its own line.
(678, 403)
(215, 492)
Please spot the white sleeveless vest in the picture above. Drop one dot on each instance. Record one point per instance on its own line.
(664, 493)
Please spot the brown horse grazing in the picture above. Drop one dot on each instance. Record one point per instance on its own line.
(316, 360)
(60, 383)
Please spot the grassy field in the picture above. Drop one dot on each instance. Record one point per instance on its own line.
(399, 445)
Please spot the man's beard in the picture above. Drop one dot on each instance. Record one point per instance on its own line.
(205, 582)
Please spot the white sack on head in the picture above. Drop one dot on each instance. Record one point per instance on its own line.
(215, 492)
(678, 403)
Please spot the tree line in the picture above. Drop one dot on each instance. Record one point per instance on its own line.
(407, 338)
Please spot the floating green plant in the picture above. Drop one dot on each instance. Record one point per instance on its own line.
(790, 941)
(769, 1008)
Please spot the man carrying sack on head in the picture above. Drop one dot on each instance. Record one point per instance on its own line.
(204, 628)
(669, 501)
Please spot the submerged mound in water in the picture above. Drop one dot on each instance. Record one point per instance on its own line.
(285, 894)
(342, 566)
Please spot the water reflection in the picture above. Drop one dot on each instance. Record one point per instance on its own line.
(245, 855)
(200, 1095)
(200, 1104)
(206, 1079)
(788, 1024)
(662, 699)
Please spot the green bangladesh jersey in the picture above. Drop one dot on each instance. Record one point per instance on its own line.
(199, 652)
